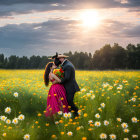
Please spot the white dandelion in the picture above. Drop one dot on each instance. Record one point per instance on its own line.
(60, 113)
(105, 85)
(26, 137)
(79, 112)
(103, 136)
(83, 90)
(134, 136)
(126, 139)
(56, 122)
(134, 120)
(90, 121)
(16, 94)
(119, 87)
(133, 99)
(15, 121)
(97, 115)
(8, 121)
(119, 119)
(69, 133)
(97, 123)
(3, 118)
(91, 91)
(69, 115)
(8, 110)
(112, 136)
(4, 134)
(21, 117)
(65, 115)
(126, 130)
(124, 125)
(102, 105)
(106, 122)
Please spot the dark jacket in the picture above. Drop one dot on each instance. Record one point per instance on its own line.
(69, 81)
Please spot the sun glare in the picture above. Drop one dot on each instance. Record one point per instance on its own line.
(89, 18)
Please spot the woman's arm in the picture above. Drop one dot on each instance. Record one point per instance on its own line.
(57, 80)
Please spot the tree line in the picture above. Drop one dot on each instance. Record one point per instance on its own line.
(108, 57)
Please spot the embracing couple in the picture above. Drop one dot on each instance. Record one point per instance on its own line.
(61, 93)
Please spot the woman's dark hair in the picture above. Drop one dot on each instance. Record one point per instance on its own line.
(47, 70)
(46, 74)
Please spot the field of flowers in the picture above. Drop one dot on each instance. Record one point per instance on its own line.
(109, 107)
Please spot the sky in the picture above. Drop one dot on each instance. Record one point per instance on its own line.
(43, 27)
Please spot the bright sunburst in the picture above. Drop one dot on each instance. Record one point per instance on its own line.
(89, 18)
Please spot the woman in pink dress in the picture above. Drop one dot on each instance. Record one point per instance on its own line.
(56, 100)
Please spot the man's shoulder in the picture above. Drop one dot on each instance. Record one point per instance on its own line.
(68, 64)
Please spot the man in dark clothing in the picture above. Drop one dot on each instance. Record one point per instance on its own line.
(69, 81)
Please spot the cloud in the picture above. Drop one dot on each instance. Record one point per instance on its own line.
(67, 2)
(63, 35)
(16, 9)
(12, 7)
(27, 39)
(74, 3)
(11, 2)
(132, 32)
(134, 3)
(112, 28)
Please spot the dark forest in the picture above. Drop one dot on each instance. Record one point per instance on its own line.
(107, 58)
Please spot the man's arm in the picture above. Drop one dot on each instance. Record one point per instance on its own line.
(67, 74)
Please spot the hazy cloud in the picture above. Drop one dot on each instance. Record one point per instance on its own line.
(62, 35)
(12, 7)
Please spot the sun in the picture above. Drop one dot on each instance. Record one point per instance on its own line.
(89, 18)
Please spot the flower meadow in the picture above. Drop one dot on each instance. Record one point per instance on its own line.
(109, 107)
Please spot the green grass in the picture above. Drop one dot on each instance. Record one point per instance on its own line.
(32, 101)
